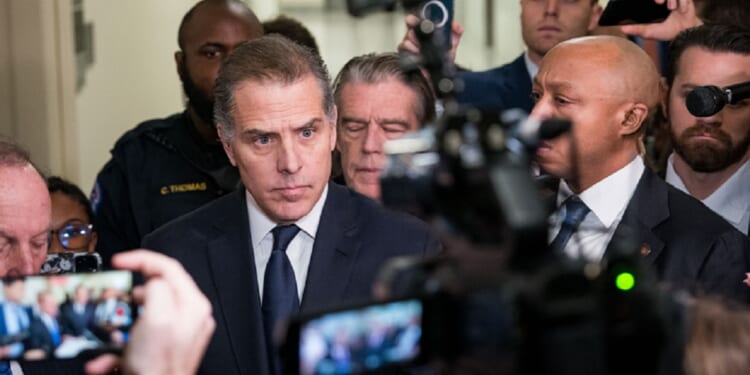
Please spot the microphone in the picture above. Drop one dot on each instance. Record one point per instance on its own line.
(532, 130)
(705, 101)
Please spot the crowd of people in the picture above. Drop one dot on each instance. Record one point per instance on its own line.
(262, 199)
(61, 317)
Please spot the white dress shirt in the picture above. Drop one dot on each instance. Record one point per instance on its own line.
(532, 68)
(731, 200)
(607, 200)
(16, 321)
(300, 248)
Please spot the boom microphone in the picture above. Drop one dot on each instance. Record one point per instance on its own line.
(705, 101)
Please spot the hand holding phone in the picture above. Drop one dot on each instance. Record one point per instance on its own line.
(175, 325)
(682, 15)
(410, 43)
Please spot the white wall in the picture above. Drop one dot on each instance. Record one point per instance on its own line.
(133, 77)
(6, 118)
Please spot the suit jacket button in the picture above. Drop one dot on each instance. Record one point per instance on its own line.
(645, 249)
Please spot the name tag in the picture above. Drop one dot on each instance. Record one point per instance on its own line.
(183, 188)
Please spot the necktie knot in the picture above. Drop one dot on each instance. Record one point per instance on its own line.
(575, 211)
(283, 235)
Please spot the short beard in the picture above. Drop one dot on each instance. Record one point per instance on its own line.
(708, 157)
(201, 102)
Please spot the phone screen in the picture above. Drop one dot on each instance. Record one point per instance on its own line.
(624, 12)
(361, 339)
(62, 316)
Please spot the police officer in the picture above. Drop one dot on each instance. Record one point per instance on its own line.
(167, 167)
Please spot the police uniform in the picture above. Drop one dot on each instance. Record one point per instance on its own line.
(158, 171)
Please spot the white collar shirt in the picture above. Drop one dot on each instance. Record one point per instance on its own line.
(730, 201)
(300, 248)
(532, 68)
(607, 200)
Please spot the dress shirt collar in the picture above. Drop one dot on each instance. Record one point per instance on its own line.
(532, 68)
(731, 200)
(261, 224)
(608, 198)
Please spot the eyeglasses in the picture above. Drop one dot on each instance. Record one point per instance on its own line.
(73, 236)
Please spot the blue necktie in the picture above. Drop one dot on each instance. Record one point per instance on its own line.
(575, 212)
(279, 287)
(55, 333)
(5, 368)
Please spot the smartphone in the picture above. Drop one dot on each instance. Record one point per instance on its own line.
(624, 12)
(440, 12)
(63, 316)
(72, 262)
(355, 340)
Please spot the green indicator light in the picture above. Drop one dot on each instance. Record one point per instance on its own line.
(625, 281)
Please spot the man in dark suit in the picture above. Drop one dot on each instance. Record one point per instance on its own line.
(15, 319)
(544, 23)
(608, 88)
(78, 315)
(46, 330)
(290, 241)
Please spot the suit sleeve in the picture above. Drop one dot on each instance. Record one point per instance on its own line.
(114, 221)
(433, 246)
(726, 265)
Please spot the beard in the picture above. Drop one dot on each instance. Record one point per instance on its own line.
(708, 157)
(202, 102)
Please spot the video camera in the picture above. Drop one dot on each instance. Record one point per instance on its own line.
(497, 301)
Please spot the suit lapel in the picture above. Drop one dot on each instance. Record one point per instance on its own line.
(335, 249)
(648, 208)
(519, 81)
(232, 264)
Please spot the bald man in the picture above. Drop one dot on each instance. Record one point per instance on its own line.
(25, 211)
(609, 88)
(168, 167)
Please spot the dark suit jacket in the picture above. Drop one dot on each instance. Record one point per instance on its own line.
(41, 338)
(75, 323)
(498, 89)
(355, 237)
(684, 242)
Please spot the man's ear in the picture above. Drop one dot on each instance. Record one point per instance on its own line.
(596, 13)
(664, 91)
(225, 144)
(634, 118)
(334, 125)
(179, 60)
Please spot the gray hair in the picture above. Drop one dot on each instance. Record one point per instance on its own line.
(375, 68)
(271, 58)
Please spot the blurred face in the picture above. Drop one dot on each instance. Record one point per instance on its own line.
(369, 115)
(212, 33)
(710, 144)
(545, 23)
(15, 291)
(569, 86)
(24, 221)
(69, 218)
(282, 145)
(48, 305)
(81, 296)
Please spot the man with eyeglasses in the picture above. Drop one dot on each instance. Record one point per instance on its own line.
(72, 238)
(174, 346)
